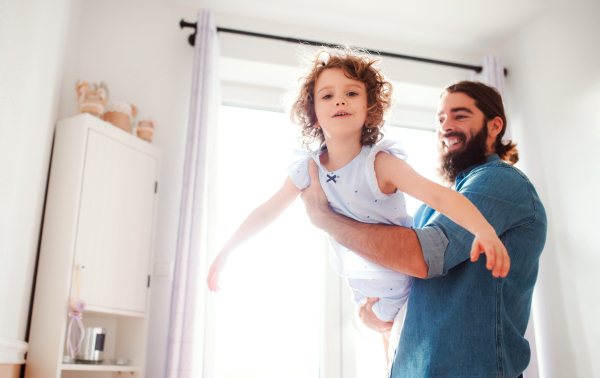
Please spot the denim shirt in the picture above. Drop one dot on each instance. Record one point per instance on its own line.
(461, 321)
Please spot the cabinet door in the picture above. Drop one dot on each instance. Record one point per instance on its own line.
(114, 234)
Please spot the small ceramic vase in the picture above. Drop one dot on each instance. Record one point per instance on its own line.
(145, 129)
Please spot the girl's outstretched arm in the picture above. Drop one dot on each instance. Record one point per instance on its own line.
(258, 219)
(393, 173)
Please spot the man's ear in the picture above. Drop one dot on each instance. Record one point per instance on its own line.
(494, 127)
(316, 125)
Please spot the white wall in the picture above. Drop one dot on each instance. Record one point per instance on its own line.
(553, 93)
(33, 36)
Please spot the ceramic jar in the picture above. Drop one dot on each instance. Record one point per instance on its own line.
(120, 114)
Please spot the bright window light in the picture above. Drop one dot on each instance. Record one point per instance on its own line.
(267, 315)
(420, 147)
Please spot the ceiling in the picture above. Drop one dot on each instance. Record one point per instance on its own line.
(470, 26)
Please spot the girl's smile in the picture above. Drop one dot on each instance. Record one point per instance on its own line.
(342, 115)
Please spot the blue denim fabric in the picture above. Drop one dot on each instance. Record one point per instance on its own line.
(461, 321)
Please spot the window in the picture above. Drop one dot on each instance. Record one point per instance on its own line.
(267, 315)
(281, 302)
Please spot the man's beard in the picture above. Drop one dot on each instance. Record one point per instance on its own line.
(451, 163)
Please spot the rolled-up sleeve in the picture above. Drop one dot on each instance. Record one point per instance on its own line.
(434, 244)
(502, 196)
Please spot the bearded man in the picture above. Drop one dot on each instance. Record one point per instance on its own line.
(461, 321)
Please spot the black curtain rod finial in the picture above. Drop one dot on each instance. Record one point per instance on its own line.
(192, 37)
(184, 24)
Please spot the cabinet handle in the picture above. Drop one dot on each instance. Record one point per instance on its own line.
(148, 280)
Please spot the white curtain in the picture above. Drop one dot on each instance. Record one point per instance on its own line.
(493, 74)
(195, 240)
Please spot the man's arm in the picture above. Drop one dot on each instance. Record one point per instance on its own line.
(393, 247)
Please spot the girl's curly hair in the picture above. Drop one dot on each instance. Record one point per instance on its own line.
(357, 66)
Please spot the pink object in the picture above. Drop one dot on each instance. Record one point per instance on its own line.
(75, 337)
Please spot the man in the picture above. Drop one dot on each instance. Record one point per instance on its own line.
(461, 321)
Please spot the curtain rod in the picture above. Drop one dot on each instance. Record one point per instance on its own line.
(192, 39)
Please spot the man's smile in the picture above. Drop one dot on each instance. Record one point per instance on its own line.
(453, 143)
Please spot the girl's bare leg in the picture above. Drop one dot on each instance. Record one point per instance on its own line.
(369, 319)
(386, 346)
(385, 336)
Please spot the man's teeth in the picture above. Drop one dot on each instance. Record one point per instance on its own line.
(341, 114)
(452, 142)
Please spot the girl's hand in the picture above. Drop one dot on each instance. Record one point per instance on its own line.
(495, 253)
(214, 274)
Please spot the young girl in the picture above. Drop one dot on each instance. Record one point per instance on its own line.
(341, 105)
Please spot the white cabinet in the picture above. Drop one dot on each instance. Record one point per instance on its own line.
(99, 218)
(115, 221)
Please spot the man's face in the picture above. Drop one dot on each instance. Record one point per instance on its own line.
(458, 121)
(462, 134)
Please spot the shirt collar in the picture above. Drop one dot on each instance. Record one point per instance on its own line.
(488, 159)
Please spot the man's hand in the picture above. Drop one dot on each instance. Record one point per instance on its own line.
(368, 317)
(315, 201)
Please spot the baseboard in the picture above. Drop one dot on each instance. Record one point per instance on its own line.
(12, 351)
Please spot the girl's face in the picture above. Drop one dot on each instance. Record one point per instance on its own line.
(340, 105)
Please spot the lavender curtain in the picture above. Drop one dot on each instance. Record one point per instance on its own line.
(493, 74)
(185, 355)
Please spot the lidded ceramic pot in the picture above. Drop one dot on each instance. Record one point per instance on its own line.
(120, 114)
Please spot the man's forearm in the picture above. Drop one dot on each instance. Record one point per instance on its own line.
(393, 247)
